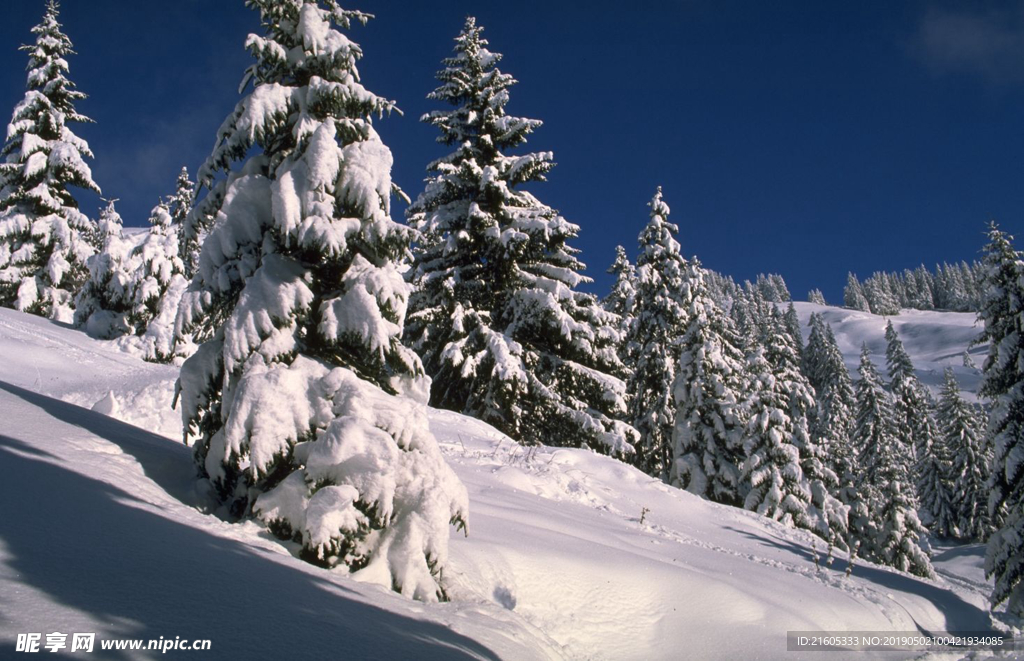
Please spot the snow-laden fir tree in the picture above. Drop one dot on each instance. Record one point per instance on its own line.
(770, 472)
(927, 456)
(180, 206)
(815, 296)
(791, 324)
(853, 294)
(832, 422)
(878, 292)
(659, 320)
(707, 442)
(742, 318)
(961, 436)
(892, 531)
(621, 300)
(1002, 312)
(45, 241)
(103, 304)
(157, 287)
(294, 399)
(496, 316)
(823, 514)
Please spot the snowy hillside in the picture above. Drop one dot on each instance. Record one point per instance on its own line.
(934, 340)
(569, 554)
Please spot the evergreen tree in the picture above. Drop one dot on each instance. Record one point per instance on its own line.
(180, 206)
(497, 317)
(832, 424)
(45, 241)
(815, 296)
(853, 295)
(102, 305)
(660, 318)
(962, 440)
(770, 473)
(1002, 312)
(792, 328)
(778, 434)
(929, 461)
(708, 436)
(292, 398)
(924, 298)
(158, 285)
(781, 288)
(621, 301)
(880, 296)
(892, 530)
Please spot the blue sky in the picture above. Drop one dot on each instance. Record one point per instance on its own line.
(803, 138)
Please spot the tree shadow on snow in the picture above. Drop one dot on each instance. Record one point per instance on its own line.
(959, 614)
(100, 550)
(167, 463)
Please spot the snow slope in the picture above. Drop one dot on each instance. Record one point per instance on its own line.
(934, 341)
(102, 531)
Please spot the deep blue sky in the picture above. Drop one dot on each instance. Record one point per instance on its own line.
(804, 138)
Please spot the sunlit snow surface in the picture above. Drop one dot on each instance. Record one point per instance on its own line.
(101, 532)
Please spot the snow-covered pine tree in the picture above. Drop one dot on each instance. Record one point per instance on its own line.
(832, 423)
(708, 436)
(891, 532)
(293, 399)
(157, 287)
(927, 457)
(770, 473)
(853, 294)
(659, 320)
(961, 437)
(768, 288)
(923, 297)
(180, 207)
(1002, 312)
(826, 514)
(781, 288)
(621, 301)
(880, 296)
(45, 241)
(815, 296)
(742, 319)
(103, 303)
(791, 325)
(496, 315)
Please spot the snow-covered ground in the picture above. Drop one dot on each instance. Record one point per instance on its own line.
(569, 554)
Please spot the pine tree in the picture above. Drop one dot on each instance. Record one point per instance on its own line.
(503, 330)
(770, 473)
(924, 298)
(792, 328)
(962, 440)
(1002, 312)
(893, 528)
(927, 457)
(180, 206)
(827, 516)
(621, 301)
(102, 305)
(660, 318)
(853, 295)
(45, 241)
(832, 422)
(157, 287)
(293, 398)
(880, 296)
(815, 296)
(708, 436)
